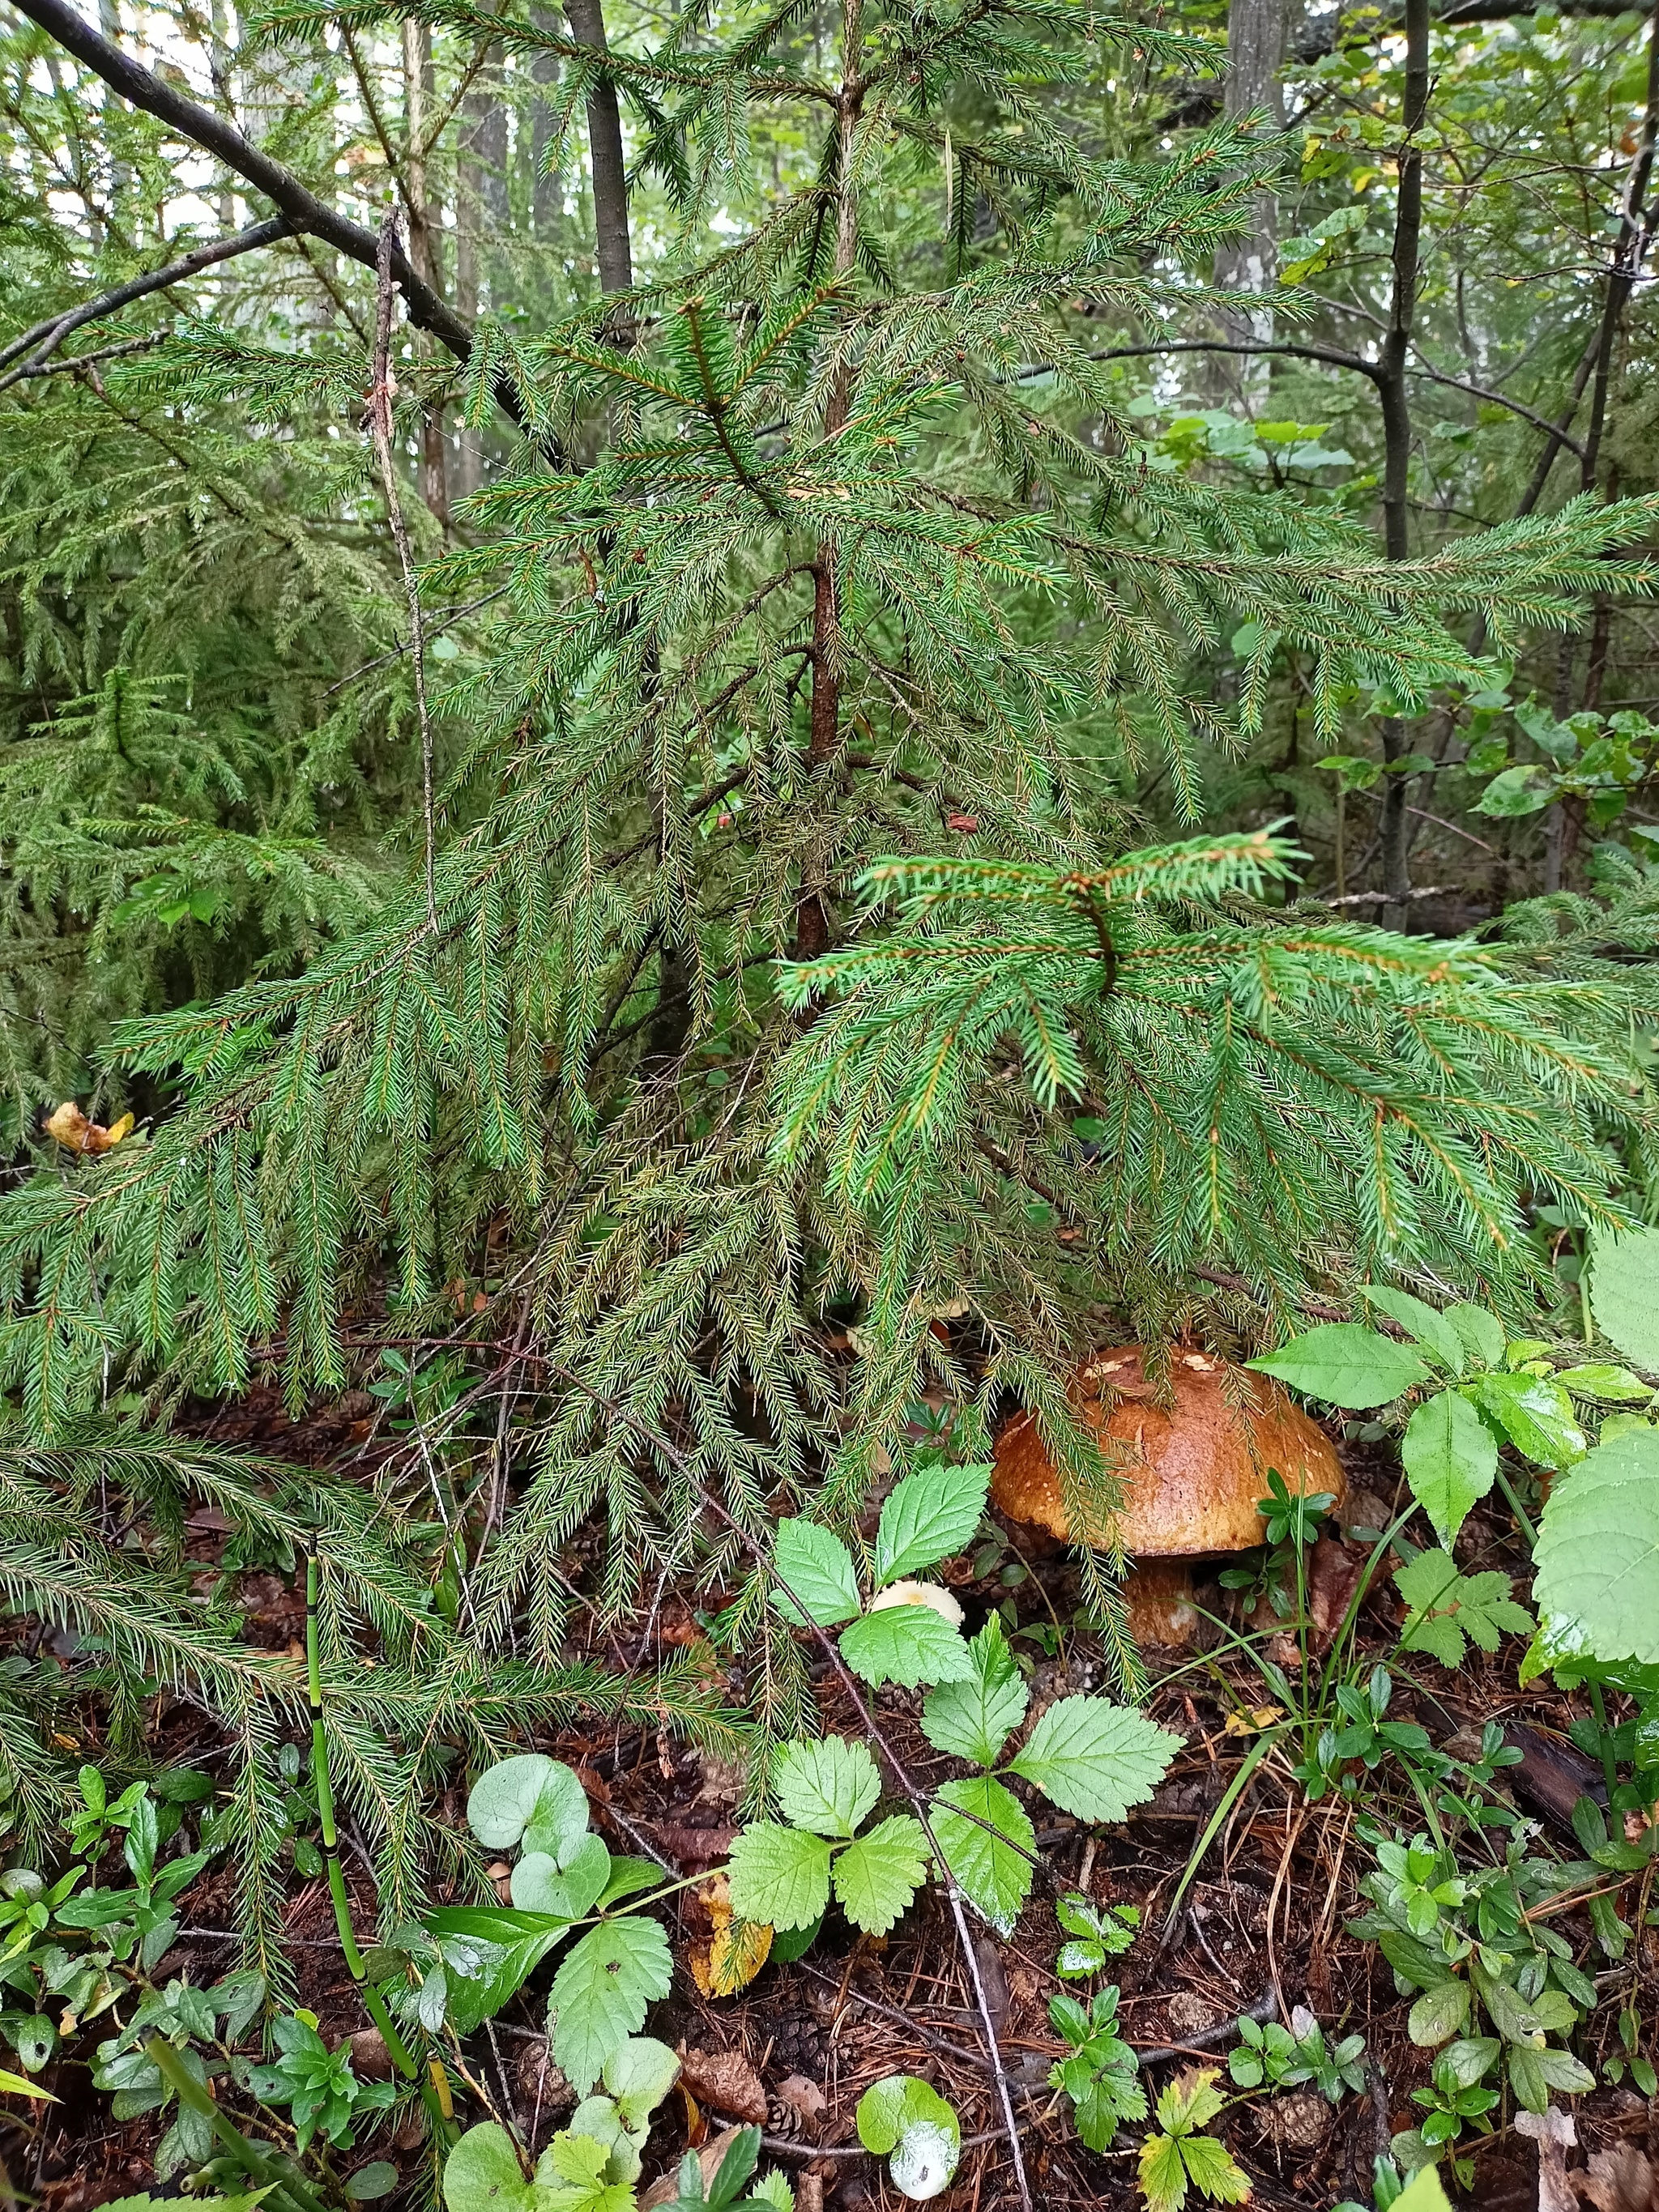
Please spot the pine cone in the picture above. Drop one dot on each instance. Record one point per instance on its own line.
(782, 2119)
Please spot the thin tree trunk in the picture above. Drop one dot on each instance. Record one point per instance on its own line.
(613, 249)
(1255, 51)
(424, 231)
(1393, 392)
(546, 189)
(814, 917)
(480, 209)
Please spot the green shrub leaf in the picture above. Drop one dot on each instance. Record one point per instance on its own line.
(973, 1718)
(1095, 1760)
(819, 1570)
(1450, 1459)
(602, 1990)
(1597, 1566)
(996, 1874)
(826, 1787)
(929, 1515)
(908, 1644)
(876, 1877)
(1624, 1293)
(779, 1877)
(1438, 1336)
(1346, 1365)
(482, 2173)
(1534, 1413)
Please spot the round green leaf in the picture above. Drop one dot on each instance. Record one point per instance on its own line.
(504, 1797)
(1596, 1579)
(1624, 1292)
(483, 2174)
(896, 2102)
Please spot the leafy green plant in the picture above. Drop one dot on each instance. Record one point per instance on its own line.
(636, 2077)
(1481, 1389)
(1446, 1611)
(322, 2094)
(1097, 2074)
(1094, 1933)
(1093, 1759)
(781, 1872)
(1176, 2155)
(907, 2122)
(564, 1881)
(485, 2172)
(906, 1631)
(1469, 1946)
(1271, 2056)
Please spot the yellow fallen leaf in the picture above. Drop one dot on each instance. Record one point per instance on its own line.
(69, 1127)
(730, 1957)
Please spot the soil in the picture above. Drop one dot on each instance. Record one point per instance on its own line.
(1261, 1925)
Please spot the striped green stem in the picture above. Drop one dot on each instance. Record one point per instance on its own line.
(255, 2162)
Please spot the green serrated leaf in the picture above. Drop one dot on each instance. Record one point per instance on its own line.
(602, 1991)
(1624, 1293)
(819, 1570)
(1094, 1759)
(826, 1787)
(908, 1644)
(973, 1718)
(1482, 1333)
(876, 1877)
(1534, 1413)
(995, 1870)
(1451, 1458)
(1445, 1606)
(1608, 1384)
(1596, 1564)
(928, 1516)
(1431, 1330)
(779, 1877)
(1346, 1364)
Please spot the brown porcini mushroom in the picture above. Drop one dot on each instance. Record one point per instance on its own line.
(1191, 1455)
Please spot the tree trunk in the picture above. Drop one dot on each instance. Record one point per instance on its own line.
(814, 915)
(1395, 394)
(425, 229)
(1256, 49)
(546, 189)
(604, 144)
(480, 212)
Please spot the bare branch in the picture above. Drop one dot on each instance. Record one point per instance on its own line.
(48, 336)
(202, 127)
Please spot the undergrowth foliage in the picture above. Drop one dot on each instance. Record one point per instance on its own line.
(812, 563)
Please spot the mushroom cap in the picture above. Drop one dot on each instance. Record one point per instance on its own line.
(1191, 1471)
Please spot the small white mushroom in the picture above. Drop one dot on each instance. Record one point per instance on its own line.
(924, 2162)
(929, 1594)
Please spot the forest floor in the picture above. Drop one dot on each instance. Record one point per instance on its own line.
(1261, 1927)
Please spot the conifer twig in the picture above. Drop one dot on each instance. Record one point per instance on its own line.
(380, 391)
(874, 1733)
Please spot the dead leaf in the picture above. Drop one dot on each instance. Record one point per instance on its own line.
(1334, 1572)
(1620, 2180)
(728, 1959)
(1554, 2134)
(803, 2097)
(69, 1127)
(726, 2083)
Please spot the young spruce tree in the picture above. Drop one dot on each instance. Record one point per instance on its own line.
(786, 952)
